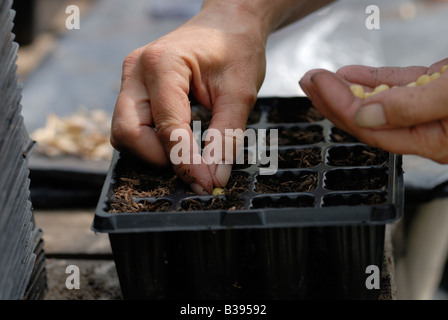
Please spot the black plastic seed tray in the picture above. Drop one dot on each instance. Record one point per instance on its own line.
(281, 236)
(330, 180)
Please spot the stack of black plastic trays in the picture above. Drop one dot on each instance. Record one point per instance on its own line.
(22, 259)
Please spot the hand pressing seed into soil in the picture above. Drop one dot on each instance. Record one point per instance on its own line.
(408, 113)
(219, 58)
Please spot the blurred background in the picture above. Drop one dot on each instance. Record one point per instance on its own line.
(71, 80)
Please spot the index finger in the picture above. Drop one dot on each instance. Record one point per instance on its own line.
(372, 77)
(172, 115)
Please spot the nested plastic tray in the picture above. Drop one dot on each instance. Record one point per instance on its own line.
(335, 162)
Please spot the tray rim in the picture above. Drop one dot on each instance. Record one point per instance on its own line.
(379, 214)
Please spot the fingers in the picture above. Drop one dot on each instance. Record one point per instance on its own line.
(392, 76)
(315, 81)
(437, 67)
(157, 97)
(227, 126)
(131, 129)
(372, 77)
(172, 115)
(211, 64)
(331, 95)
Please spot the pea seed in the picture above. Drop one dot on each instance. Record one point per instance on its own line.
(424, 79)
(369, 94)
(381, 88)
(435, 76)
(218, 191)
(357, 90)
(444, 68)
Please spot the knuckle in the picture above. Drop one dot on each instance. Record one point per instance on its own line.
(148, 57)
(122, 136)
(442, 136)
(165, 128)
(130, 63)
(153, 55)
(402, 114)
(248, 96)
(116, 143)
(131, 58)
(428, 140)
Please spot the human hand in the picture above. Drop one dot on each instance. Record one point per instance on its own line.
(403, 120)
(217, 56)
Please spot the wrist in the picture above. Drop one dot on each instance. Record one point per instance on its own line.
(240, 16)
(266, 16)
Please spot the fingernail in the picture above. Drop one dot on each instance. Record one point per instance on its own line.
(198, 189)
(222, 173)
(371, 115)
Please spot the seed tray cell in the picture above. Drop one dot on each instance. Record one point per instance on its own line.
(297, 135)
(354, 199)
(339, 136)
(298, 158)
(286, 111)
(356, 179)
(289, 201)
(356, 155)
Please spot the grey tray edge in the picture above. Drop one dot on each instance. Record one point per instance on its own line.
(105, 222)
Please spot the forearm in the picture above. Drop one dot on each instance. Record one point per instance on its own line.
(266, 16)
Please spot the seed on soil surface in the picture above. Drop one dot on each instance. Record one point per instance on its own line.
(218, 191)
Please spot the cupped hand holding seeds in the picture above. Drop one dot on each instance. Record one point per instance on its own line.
(401, 110)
